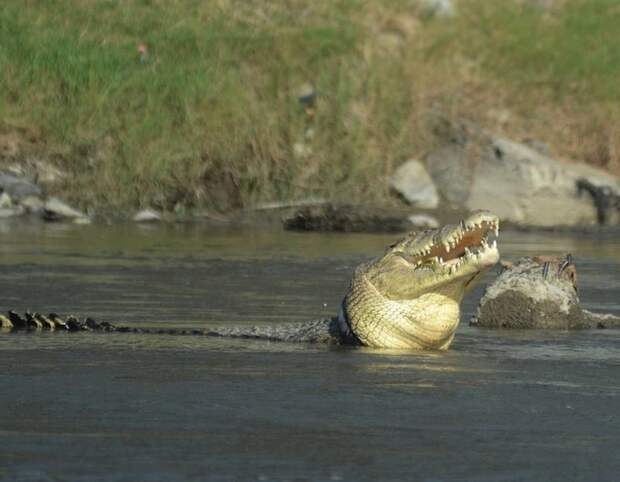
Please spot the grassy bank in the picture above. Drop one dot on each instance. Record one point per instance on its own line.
(210, 116)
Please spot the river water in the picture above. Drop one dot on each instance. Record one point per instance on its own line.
(498, 406)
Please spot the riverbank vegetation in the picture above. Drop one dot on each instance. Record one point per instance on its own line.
(218, 105)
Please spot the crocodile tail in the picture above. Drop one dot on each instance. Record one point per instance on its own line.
(316, 331)
(321, 331)
(14, 322)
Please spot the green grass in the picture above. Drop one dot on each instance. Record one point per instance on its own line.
(573, 50)
(211, 119)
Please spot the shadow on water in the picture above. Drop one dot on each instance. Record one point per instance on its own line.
(517, 405)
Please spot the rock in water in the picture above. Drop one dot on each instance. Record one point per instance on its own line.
(539, 292)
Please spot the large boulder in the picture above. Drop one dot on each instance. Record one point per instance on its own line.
(452, 168)
(524, 186)
(18, 188)
(414, 184)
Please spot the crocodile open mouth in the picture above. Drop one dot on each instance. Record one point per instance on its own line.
(474, 240)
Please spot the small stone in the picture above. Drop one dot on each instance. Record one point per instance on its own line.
(301, 150)
(32, 204)
(84, 220)
(11, 212)
(306, 94)
(55, 210)
(147, 216)
(5, 201)
(423, 221)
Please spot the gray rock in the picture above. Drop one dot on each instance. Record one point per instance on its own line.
(18, 187)
(539, 146)
(32, 204)
(414, 183)
(5, 201)
(424, 221)
(10, 212)
(606, 200)
(306, 94)
(524, 186)
(56, 210)
(146, 216)
(452, 170)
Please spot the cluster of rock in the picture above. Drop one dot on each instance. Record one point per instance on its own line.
(19, 196)
(521, 182)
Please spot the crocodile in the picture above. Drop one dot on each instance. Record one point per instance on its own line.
(538, 292)
(407, 298)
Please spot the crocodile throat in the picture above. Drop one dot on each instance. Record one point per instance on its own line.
(409, 298)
